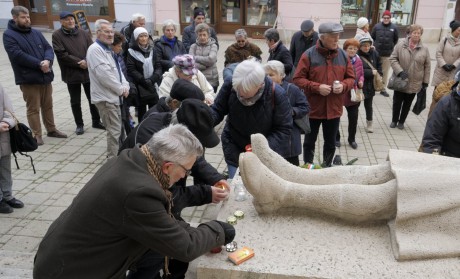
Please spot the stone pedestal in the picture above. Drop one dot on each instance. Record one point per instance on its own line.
(296, 245)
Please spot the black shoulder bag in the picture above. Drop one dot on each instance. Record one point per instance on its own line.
(22, 140)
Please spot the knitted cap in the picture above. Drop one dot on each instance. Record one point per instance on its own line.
(386, 13)
(454, 25)
(362, 21)
(198, 12)
(138, 31)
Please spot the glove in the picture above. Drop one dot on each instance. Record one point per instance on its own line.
(403, 75)
(451, 67)
(229, 231)
(155, 77)
(446, 67)
(424, 85)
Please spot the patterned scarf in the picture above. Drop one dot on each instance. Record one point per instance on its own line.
(163, 179)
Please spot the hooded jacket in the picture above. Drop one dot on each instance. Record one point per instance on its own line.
(26, 48)
(206, 60)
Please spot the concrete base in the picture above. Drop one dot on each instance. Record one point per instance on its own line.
(311, 246)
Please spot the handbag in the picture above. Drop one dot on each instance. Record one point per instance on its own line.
(304, 122)
(396, 83)
(147, 94)
(22, 140)
(377, 81)
(357, 95)
(420, 104)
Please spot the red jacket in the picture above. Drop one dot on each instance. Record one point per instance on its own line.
(318, 66)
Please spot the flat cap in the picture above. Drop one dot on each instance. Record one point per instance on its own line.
(65, 14)
(307, 25)
(330, 27)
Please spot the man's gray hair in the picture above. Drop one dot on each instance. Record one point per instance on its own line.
(137, 17)
(174, 143)
(275, 66)
(98, 24)
(272, 34)
(167, 23)
(248, 75)
(19, 9)
(241, 33)
(202, 27)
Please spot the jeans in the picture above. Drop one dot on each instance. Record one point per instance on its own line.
(75, 103)
(231, 171)
(368, 107)
(330, 128)
(39, 98)
(401, 106)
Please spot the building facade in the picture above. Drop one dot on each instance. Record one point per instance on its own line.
(254, 15)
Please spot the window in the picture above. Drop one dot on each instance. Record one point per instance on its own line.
(90, 7)
(401, 11)
(187, 6)
(261, 12)
(352, 10)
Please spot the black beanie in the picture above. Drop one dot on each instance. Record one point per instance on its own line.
(454, 24)
(198, 11)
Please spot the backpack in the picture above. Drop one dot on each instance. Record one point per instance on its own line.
(22, 140)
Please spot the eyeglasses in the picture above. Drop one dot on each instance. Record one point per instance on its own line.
(107, 32)
(187, 171)
(386, 17)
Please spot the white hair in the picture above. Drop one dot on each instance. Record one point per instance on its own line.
(275, 66)
(248, 75)
(169, 22)
(137, 17)
(98, 24)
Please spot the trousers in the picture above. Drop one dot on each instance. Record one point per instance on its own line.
(75, 103)
(39, 98)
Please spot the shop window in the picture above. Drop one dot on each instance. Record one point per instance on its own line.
(187, 6)
(352, 10)
(90, 7)
(231, 11)
(261, 12)
(401, 11)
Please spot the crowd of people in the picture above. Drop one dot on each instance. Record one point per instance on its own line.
(174, 86)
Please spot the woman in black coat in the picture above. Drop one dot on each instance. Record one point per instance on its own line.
(168, 46)
(369, 55)
(278, 51)
(253, 104)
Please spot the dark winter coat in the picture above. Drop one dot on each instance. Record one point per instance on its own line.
(119, 215)
(373, 57)
(161, 106)
(300, 108)
(26, 49)
(442, 131)
(202, 171)
(282, 54)
(71, 48)
(189, 36)
(164, 54)
(271, 116)
(236, 54)
(385, 38)
(300, 43)
(318, 66)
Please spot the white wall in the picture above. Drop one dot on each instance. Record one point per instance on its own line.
(5, 12)
(124, 9)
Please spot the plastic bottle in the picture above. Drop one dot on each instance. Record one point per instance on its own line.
(240, 192)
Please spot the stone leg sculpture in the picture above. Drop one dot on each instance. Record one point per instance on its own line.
(418, 193)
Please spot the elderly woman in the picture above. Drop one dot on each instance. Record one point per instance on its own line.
(363, 29)
(447, 55)
(410, 60)
(205, 53)
(184, 68)
(140, 64)
(299, 105)
(254, 104)
(133, 215)
(278, 51)
(168, 46)
(241, 50)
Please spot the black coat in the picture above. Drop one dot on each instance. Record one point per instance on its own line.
(300, 43)
(442, 131)
(373, 57)
(182, 196)
(270, 115)
(385, 38)
(282, 54)
(165, 54)
(26, 48)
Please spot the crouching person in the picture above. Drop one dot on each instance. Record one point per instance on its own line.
(125, 210)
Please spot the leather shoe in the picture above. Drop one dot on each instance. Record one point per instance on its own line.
(57, 134)
(393, 125)
(400, 126)
(384, 93)
(79, 130)
(353, 144)
(98, 125)
(5, 208)
(39, 140)
(15, 203)
(337, 144)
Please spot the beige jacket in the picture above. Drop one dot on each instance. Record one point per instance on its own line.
(416, 63)
(448, 52)
(5, 105)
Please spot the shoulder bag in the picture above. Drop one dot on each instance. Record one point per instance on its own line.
(378, 81)
(22, 140)
(304, 122)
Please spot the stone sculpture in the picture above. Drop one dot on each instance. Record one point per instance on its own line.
(417, 193)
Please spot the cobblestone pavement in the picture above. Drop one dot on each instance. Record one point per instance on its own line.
(65, 165)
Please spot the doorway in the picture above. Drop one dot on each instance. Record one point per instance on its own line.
(38, 11)
(229, 16)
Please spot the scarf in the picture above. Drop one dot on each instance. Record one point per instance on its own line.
(171, 42)
(155, 170)
(147, 62)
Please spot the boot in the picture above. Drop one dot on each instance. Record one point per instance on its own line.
(369, 128)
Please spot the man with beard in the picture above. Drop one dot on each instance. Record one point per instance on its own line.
(31, 57)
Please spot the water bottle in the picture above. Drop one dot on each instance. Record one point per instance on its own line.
(240, 192)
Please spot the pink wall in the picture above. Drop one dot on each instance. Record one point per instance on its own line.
(430, 14)
(167, 9)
